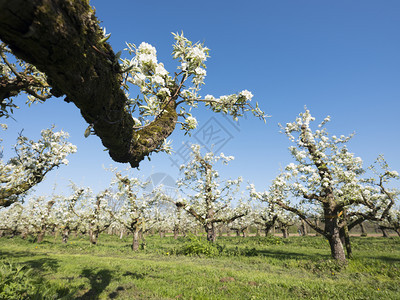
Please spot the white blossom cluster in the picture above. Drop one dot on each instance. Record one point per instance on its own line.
(12, 68)
(207, 194)
(33, 161)
(158, 87)
(323, 165)
(11, 218)
(80, 212)
(34, 215)
(135, 205)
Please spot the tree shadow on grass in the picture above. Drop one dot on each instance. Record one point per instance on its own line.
(133, 275)
(38, 264)
(43, 264)
(387, 259)
(7, 254)
(98, 282)
(285, 255)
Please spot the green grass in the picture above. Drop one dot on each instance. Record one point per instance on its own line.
(245, 268)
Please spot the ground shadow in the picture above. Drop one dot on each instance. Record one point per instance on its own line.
(6, 254)
(38, 264)
(114, 294)
(387, 259)
(43, 264)
(135, 275)
(98, 282)
(284, 255)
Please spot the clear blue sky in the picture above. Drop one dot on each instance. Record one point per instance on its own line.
(340, 58)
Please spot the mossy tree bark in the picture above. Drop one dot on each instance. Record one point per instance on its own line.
(63, 40)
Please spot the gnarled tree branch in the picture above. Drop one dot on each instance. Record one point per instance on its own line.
(63, 40)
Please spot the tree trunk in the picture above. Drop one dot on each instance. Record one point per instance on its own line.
(56, 233)
(303, 228)
(316, 225)
(41, 235)
(24, 234)
(142, 237)
(363, 231)
(285, 232)
(65, 235)
(210, 230)
(384, 233)
(345, 239)
(267, 230)
(135, 241)
(176, 232)
(94, 235)
(333, 235)
(337, 250)
(220, 231)
(63, 39)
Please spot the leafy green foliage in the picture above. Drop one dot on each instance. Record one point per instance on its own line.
(15, 281)
(19, 282)
(198, 246)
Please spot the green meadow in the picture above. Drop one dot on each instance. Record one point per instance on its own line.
(191, 268)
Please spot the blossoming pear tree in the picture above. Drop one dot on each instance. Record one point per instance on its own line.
(183, 222)
(241, 225)
(32, 162)
(99, 215)
(168, 217)
(267, 216)
(392, 222)
(19, 77)
(81, 212)
(284, 221)
(63, 40)
(385, 212)
(11, 219)
(326, 178)
(136, 206)
(162, 220)
(90, 213)
(65, 213)
(37, 217)
(206, 197)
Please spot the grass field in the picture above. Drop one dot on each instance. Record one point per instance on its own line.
(238, 268)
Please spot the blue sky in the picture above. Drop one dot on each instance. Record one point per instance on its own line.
(340, 58)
